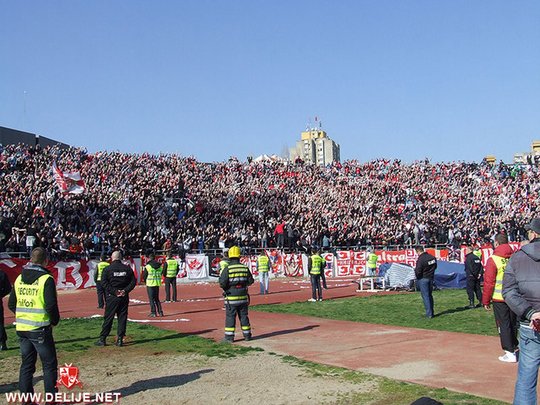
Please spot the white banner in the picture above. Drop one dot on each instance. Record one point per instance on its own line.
(197, 266)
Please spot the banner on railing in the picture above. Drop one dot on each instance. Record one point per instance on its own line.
(68, 275)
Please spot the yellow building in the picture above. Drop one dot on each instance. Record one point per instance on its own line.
(316, 147)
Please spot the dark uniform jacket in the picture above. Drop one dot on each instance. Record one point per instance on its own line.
(5, 285)
(473, 265)
(117, 276)
(29, 275)
(425, 266)
(232, 284)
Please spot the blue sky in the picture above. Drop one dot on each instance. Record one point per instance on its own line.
(447, 80)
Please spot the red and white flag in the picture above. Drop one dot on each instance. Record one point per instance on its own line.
(68, 183)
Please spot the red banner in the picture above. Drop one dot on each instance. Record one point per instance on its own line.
(68, 275)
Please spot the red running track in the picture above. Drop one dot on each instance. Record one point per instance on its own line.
(456, 361)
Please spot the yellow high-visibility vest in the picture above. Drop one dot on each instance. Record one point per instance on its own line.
(316, 264)
(500, 262)
(154, 276)
(263, 263)
(100, 267)
(172, 268)
(30, 313)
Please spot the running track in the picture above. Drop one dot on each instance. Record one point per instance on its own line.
(456, 361)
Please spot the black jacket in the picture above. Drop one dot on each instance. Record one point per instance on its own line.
(473, 266)
(425, 266)
(29, 275)
(5, 285)
(117, 276)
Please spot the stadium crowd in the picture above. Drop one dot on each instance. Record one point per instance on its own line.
(140, 202)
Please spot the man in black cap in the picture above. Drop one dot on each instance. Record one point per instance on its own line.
(521, 292)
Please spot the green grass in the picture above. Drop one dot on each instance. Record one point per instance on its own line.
(79, 335)
(76, 337)
(385, 391)
(407, 309)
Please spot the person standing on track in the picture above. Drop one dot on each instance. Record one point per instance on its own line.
(152, 277)
(235, 280)
(315, 268)
(34, 302)
(505, 319)
(117, 280)
(425, 273)
(521, 292)
(473, 271)
(5, 289)
(97, 278)
(170, 271)
(263, 267)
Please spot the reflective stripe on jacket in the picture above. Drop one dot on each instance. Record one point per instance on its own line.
(316, 265)
(263, 263)
(172, 268)
(30, 313)
(154, 276)
(100, 267)
(500, 262)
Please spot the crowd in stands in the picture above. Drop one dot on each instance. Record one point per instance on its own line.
(140, 202)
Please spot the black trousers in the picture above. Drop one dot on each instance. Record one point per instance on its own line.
(3, 335)
(231, 312)
(473, 288)
(115, 306)
(34, 343)
(153, 297)
(508, 326)
(170, 283)
(316, 286)
(100, 294)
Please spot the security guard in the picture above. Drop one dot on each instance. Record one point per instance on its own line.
(117, 280)
(371, 264)
(97, 278)
(33, 300)
(152, 276)
(5, 289)
(315, 268)
(263, 267)
(225, 261)
(235, 280)
(170, 271)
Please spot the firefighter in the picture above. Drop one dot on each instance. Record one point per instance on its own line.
(34, 302)
(152, 277)
(170, 271)
(97, 278)
(117, 281)
(235, 280)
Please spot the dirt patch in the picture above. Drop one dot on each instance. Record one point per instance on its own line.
(146, 378)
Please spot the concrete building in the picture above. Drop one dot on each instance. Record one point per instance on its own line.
(315, 147)
(532, 157)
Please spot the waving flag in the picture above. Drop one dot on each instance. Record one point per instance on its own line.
(68, 183)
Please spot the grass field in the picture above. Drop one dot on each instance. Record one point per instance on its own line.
(451, 312)
(76, 337)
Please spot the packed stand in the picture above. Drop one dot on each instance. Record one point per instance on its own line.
(141, 202)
